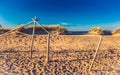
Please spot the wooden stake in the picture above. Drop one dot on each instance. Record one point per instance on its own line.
(32, 42)
(95, 53)
(48, 48)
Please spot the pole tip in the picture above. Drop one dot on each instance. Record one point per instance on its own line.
(35, 18)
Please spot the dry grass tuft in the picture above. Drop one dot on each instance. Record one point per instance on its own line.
(19, 28)
(3, 30)
(57, 29)
(116, 31)
(96, 31)
(54, 29)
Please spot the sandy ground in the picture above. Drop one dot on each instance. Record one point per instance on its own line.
(66, 62)
(69, 55)
(63, 42)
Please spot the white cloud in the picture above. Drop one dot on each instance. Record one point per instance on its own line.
(6, 23)
(64, 23)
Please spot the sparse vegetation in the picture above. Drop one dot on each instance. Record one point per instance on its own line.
(52, 29)
(116, 32)
(96, 31)
(3, 30)
(19, 28)
(57, 29)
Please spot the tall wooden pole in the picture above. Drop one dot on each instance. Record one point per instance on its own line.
(99, 43)
(33, 34)
(48, 48)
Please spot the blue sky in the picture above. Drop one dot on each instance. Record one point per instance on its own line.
(73, 14)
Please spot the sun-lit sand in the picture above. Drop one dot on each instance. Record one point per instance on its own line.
(59, 42)
(69, 55)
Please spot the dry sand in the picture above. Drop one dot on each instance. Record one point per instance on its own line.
(69, 55)
(62, 42)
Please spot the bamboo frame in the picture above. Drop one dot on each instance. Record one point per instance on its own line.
(48, 48)
(16, 28)
(33, 34)
(98, 46)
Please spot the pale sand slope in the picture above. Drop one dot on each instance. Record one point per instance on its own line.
(61, 42)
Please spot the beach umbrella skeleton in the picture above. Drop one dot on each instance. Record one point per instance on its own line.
(35, 23)
(32, 41)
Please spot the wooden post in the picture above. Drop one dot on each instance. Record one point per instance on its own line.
(48, 48)
(95, 53)
(32, 41)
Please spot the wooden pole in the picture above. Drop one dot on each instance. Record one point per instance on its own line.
(32, 42)
(48, 48)
(95, 53)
